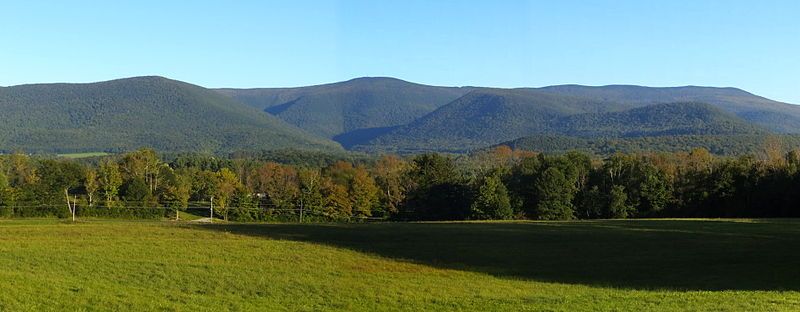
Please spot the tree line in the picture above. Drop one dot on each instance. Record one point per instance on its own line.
(500, 183)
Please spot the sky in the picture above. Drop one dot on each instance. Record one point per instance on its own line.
(753, 45)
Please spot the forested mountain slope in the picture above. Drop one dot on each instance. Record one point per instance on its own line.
(363, 104)
(489, 116)
(773, 115)
(657, 120)
(129, 113)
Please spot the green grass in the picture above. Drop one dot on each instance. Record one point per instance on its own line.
(83, 155)
(642, 265)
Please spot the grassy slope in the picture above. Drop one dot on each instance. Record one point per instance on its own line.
(568, 266)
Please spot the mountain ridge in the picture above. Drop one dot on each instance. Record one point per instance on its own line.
(128, 113)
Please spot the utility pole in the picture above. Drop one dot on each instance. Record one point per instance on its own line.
(72, 205)
(212, 210)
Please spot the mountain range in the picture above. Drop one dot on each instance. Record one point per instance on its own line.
(375, 114)
(129, 113)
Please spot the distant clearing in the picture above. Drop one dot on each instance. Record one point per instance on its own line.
(84, 155)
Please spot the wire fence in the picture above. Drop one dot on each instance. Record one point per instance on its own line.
(172, 210)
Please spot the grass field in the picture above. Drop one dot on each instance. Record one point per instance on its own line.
(83, 155)
(565, 266)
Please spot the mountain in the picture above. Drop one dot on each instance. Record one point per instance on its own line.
(368, 114)
(360, 108)
(387, 114)
(129, 113)
(484, 117)
(776, 116)
(657, 120)
(489, 116)
(726, 145)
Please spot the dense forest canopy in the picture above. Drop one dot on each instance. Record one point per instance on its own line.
(379, 115)
(126, 114)
(498, 183)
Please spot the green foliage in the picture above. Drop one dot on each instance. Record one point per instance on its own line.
(618, 207)
(364, 193)
(492, 201)
(724, 145)
(488, 116)
(499, 184)
(766, 113)
(555, 194)
(129, 113)
(438, 193)
(340, 110)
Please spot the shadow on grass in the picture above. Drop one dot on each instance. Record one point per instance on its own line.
(642, 254)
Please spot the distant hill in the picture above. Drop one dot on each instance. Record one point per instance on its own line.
(776, 116)
(489, 116)
(372, 114)
(129, 113)
(360, 108)
(483, 117)
(727, 145)
(657, 120)
(386, 114)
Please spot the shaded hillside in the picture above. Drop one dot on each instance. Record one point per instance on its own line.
(129, 113)
(336, 109)
(657, 120)
(773, 115)
(484, 117)
(727, 145)
(489, 116)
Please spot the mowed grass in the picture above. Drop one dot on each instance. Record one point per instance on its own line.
(680, 265)
(83, 155)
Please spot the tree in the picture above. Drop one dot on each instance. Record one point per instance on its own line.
(143, 164)
(773, 151)
(437, 192)
(91, 185)
(492, 201)
(389, 175)
(5, 193)
(311, 200)
(175, 190)
(592, 204)
(136, 192)
(243, 208)
(341, 172)
(226, 185)
(654, 191)
(555, 194)
(338, 205)
(110, 181)
(364, 193)
(278, 184)
(617, 203)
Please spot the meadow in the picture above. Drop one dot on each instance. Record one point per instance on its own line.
(620, 265)
(83, 155)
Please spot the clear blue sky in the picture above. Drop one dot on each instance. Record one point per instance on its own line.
(754, 45)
